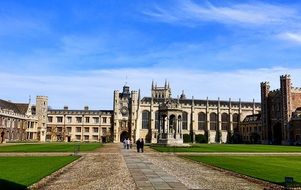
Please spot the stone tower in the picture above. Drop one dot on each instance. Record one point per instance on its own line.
(161, 92)
(266, 130)
(286, 108)
(41, 112)
(125, 113)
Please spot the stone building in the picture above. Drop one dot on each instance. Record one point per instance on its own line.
(159, 118)
(281, 112)
(17, 123)
(149, 116)
(78, 125)
(250, 129)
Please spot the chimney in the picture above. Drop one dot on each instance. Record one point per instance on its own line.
(86, 108)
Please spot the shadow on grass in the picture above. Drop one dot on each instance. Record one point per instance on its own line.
(9, 185)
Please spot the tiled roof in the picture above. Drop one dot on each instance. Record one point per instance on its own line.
(17, 108)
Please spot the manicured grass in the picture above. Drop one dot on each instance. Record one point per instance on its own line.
(17, 172)
(229, 148)
(49, 147)
(268, 168)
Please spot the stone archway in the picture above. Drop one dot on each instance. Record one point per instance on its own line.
(277, 133)
(124, 135)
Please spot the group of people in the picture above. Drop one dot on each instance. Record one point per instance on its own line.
(140, 144)
(127, 144)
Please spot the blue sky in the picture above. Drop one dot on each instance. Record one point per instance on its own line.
(77, 52)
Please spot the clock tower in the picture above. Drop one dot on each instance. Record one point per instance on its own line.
(125, 109)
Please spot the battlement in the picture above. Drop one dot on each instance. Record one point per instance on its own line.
(286, 76)
(266, 83)
(42, 97)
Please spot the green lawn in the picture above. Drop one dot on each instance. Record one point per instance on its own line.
(20, 172)
(49, 147)
(229, 148)
(268, 168)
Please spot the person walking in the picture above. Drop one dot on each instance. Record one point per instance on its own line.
(124, 143)
(138, 145)
(142, 144)
(128, 142)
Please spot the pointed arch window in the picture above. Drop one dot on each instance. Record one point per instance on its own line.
(145, 119)
(184, 121)
(213, 121)
(201, 121)
(225, 121)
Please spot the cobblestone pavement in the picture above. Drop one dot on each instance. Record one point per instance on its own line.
(113, 167)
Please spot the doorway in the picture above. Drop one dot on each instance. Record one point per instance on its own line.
(124, 135)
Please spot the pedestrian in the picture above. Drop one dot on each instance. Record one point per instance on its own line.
(142, 144)
(124, 143)
(131, 144)
(138, 145)
(128, 142)
(2, 136)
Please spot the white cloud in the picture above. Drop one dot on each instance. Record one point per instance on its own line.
(250, 14)
(95, 88)
(289, 36)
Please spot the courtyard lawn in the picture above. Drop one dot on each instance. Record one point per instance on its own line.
(50, 147)
(20, 172)
(228, 148)
(268, 168)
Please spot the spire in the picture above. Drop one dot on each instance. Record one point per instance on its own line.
(153, 86)
(29, 99)
(165, 85)
(183, 96)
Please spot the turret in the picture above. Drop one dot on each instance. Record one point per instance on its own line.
(41, 112)
(265, 89)
(286, 111)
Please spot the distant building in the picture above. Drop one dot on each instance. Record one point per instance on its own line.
(160, 114)
(281, 112)
(17, 123)
(250, 129)
(159, 118)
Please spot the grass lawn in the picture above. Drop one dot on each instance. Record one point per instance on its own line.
(268, 168)
(229, 148)
(20, 172)
(49, 147)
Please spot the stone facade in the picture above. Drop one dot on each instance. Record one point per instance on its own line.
(78, 125)
(158, 118)
(140, 118)
(280, 112)
(17, 122)
(250, 129)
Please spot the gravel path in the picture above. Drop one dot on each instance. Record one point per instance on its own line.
(107, 169)
(103, 170)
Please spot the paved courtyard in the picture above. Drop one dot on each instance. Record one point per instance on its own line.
(113, 167)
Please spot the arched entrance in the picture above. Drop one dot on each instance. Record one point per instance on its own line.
(124, 135)
(277, 133)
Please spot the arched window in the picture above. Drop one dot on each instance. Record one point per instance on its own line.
(156, 120)
(225, 121)
(145, 120)
(201, 121)
(235, 120)
(184, 120)
(213, 121)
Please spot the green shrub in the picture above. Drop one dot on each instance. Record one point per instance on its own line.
(200, 138)
(186, 138)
